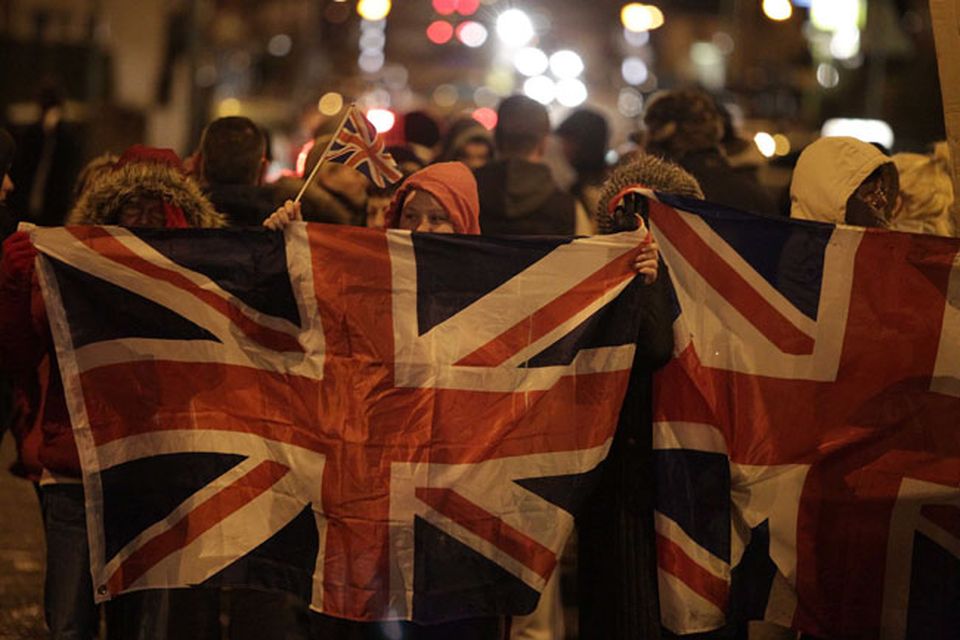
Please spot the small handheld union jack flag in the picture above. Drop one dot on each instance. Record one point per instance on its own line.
(358, 145)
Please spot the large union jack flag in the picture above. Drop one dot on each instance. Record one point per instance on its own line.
(807, 433)
(390, 425)
(358, 145)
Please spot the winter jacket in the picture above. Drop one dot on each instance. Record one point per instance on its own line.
(25, 339)
(518, 197)
(926, 193)
(827, 173)
(244, 205)
(722, 184)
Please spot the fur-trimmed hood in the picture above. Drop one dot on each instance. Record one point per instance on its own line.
(103, 200)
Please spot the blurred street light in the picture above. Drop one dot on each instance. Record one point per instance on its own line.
(473, 34)
(514, 28)
(777, 10)
(373, 9)
(566, 64)
(641, 17)
(440, 32)
(330, 103)
(382, 119)
(541, 88)
(765, 143)
(531, 61)
(571, 92)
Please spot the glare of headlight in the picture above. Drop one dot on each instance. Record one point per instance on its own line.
(530, 61)
(541, 88)
(566, 64)
(514, 28)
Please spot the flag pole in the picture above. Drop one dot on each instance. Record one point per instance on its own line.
(316, 167)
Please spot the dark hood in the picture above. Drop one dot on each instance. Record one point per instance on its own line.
(524, 187)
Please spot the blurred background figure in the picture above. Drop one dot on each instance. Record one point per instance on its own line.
(422, 133)
(517, 192)
(585, 137)
(469, 142)
(926, 192)
(685, 127)
(8, 219)
(230, 166)
(49, 157)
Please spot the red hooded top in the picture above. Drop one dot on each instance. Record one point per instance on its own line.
(452, 184)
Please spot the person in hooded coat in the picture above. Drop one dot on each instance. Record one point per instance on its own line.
(518, 195)
(146, 188)
(844, 180)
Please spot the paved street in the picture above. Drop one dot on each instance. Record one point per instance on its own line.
(21, 555)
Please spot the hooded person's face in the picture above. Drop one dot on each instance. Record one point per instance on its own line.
(422, 212)
(872, 203)
(142, 212)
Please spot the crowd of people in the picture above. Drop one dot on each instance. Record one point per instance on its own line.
(463, 179)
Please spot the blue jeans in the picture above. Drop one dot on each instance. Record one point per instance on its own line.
(68, 604)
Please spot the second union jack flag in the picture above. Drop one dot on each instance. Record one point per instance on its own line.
(807, 433)
(358, 145)
(389, 425)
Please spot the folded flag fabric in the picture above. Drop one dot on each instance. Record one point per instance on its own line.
(807, 433)
(389, 425)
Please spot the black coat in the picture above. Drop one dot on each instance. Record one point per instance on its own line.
(518, 197)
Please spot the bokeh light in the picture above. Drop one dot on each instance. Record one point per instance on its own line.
(330, 103)
(473, 34)
(828, 76)
(641, 17)
(444, 7)
(373, 9)
(279, 45)
(446, 95)
(440, 31)
(514, 28)
(531, 61)
(777, 10)
(630, 103)
(382, 119)
(467, 7)
(634, 70)
(370, 61)
(566, 64)
(782, 144)
(540, 88)
(485, 116)
(765, 143)
(571, 92)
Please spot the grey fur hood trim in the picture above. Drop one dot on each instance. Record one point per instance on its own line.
(103, 200)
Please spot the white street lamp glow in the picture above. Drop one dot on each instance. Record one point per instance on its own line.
(566, 64)
(866, 130)
(845, 43)
(371, 61)
(531, 61)
(473, 34)
(634, 70)
(571, 92)
(514, 28)
(541, 88)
